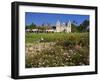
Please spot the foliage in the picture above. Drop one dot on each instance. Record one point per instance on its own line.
(68, 49)
(56, 56)
(74, 28)
(32, 26)
(83, 26)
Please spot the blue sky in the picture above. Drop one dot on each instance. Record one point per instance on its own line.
(40, 18)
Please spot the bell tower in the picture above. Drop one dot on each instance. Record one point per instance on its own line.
(58, 26)
(69, 26)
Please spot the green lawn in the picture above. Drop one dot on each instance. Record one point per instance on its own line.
(53, 37)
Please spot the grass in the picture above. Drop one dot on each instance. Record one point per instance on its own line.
(53, 37)
(57, 49)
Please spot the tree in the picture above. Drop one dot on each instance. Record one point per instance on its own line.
(43, 24)
(27, 27)
(32, 26)
(74, 22)
(83, 26)
(74, 28)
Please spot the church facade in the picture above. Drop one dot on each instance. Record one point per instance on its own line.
(62, 27)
